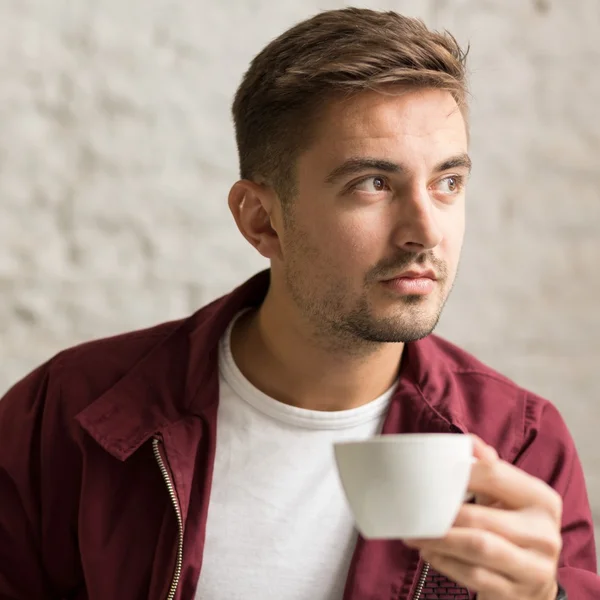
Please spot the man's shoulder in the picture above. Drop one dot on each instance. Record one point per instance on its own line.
(133, 367)
(113, 356)
(115, 353)
(461, 363)
(481, 399)
(78, 375)
(118, 353)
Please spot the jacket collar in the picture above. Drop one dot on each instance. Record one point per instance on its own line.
(172, 381)
(179, 378)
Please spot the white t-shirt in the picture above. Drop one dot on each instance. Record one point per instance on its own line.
(278, 523)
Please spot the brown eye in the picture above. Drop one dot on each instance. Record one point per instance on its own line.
(378, 184)
(450, 185)
(372, 185)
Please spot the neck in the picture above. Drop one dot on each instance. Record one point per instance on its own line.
(280, 355)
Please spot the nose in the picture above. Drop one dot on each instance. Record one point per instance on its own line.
(417, 227)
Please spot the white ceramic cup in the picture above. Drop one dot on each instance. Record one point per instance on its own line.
(405, 486)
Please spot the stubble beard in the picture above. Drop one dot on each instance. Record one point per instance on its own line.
(324, 306)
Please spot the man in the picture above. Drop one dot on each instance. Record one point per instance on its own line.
(194, 459)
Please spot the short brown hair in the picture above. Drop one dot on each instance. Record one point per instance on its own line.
(334, 53)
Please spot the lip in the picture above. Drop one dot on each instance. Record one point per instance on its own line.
(414, 274)
(413, 282)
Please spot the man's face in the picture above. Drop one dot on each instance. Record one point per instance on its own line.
(371, 242)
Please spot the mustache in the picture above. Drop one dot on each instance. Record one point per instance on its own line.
(402, 261)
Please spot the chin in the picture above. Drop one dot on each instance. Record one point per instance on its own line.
(394, 336)
(411, 324)
(421, 309)
(396, 328)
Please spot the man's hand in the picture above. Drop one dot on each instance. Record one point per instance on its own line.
(507, 545)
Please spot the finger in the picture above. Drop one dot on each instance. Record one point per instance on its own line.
(528, 529)
(487, 454)
(513, 487)
(479, 579)
(487, 550)
(483, 451)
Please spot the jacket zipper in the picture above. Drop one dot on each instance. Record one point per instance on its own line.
(422, 579)
(179, 561)
(175, 502)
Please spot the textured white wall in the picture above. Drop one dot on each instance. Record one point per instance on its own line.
(117, 153)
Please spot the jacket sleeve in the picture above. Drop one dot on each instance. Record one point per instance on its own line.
(550, 454)
(23, 516)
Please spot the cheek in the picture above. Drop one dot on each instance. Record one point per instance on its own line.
(350, 239)
(358, 241)
(451, 245)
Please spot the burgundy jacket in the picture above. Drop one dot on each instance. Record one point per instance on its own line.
(107, 451)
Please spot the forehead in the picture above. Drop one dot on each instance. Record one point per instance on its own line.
(404, 125)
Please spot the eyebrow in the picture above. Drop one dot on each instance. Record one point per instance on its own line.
(353, 166)
(460, 161)
(358, 165)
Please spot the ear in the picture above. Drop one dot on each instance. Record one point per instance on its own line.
(253, 207)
